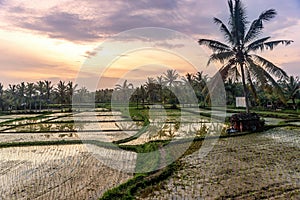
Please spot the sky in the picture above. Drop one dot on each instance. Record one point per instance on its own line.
(59, 39)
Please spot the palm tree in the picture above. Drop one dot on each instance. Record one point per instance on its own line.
(188, 79)
(40, 87)
(21, 94)
(161, 84)
(61, 92)
(71, 90)
(83, 95)
(237, 56)
(11, 95)
(124, 86)
(30, 92)
(151, 88)
(124, 90)
(48, 90)
(170, 77)
(292, 88)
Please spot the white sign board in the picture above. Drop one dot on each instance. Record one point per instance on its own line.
(240, 102)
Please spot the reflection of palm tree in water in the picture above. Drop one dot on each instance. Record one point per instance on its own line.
(127, 125)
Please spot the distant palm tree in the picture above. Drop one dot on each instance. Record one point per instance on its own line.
(30, 92)
(11, 96)
(124, 86)
(139, 95)
(238, 56)
(171, 77)
(161, 84)
(83, 95)
(48, 91)
(201, 79)
(151, 89)
(124, 90)
(292, 88)
(71, 89)
(40, 87)
(1, 97)
(188, 79)
(61, 90)
(21, 94)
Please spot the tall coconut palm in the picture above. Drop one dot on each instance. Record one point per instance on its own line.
(238, 55)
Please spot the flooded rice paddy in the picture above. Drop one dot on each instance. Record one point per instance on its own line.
(73, 172)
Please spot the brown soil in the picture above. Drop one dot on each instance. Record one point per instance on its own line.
(247, 167)
(54, 172)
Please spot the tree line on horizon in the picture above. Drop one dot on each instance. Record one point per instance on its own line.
(159, 90)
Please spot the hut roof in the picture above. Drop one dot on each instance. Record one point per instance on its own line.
(244, 117)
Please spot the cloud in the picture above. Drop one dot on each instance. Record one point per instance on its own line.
(62, 25)
(90, 20)
(89, 54)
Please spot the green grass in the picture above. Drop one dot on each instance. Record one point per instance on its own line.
(59, 142)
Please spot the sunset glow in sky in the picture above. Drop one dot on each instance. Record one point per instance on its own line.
(51, 40)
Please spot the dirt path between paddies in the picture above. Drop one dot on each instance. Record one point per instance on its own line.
(254, 166)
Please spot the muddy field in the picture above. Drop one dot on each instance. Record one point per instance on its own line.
(257, 166)
(54, 172)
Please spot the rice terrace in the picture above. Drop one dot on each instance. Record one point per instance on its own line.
(150, 124)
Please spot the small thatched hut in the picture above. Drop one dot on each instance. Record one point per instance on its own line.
(246, 122)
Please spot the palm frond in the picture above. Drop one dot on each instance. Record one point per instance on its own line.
(238, 21)
(273, 44)
(264, 77)
(270, 67)
(234, 73)
(220, 57)
(262, 45)
(223, 28)
(256, 71)
(225, 69)
(267, 15)
(257, 25)
(258, 44)
(214, 45)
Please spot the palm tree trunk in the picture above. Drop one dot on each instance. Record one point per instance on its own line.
(245, 88)
(294, 103)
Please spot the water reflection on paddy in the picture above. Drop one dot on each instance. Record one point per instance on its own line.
(44, 127)
(285, 136)
(105, 136)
